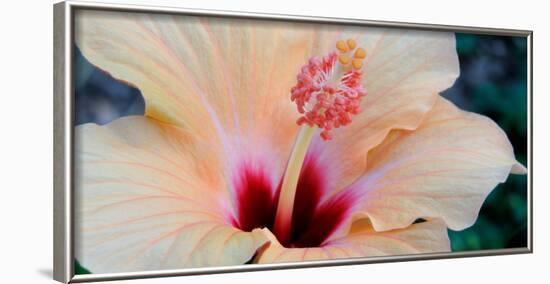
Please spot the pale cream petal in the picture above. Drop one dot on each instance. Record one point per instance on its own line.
(233, 76)
(146, 198)
(519, 169)
(128, 47)
(363, 241)
(404, 71)
(443, 169)
(230, 77)
(225, 80)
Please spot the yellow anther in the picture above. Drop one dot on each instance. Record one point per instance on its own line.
(360, 53)
(344, 59)
(341, 45)
(351, 44)
(357, 63)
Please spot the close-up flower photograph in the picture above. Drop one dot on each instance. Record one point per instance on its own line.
(205, 141)
(274, 142)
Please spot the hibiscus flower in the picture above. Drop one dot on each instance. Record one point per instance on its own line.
(267, 141)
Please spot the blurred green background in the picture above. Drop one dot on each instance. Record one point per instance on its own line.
(492, 82)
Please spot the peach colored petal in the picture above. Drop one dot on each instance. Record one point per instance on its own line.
(403, 73)
(227, 81)
(129, 48)
(443, 169)
(146, 199)
(363, 241)
(226, 77)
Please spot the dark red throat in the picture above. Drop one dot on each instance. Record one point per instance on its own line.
(314, 217)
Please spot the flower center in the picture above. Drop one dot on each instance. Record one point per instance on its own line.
(314, 218)
(327, 94)
(329, 91)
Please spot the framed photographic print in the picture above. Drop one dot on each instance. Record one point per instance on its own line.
(193, 141)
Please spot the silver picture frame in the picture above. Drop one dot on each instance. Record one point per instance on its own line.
(63, 262)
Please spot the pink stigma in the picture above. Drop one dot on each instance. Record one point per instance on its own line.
(328, 92)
